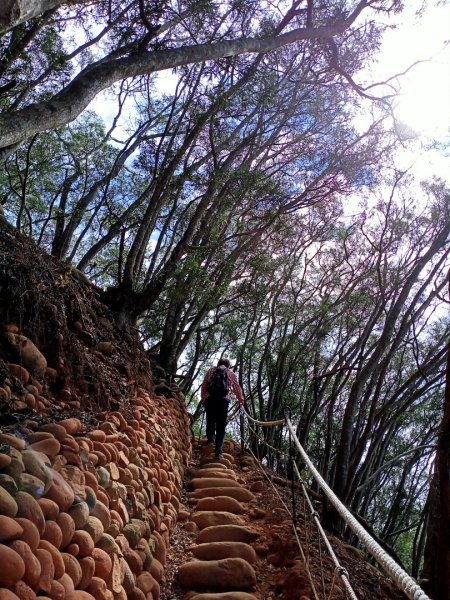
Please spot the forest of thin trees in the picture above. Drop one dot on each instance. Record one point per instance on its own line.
(255, 210)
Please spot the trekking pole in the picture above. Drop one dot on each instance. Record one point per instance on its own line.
(242, 427)
(201, 427)
(233, 413)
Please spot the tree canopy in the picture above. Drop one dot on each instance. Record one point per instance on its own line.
(253, 209)
(135, 41)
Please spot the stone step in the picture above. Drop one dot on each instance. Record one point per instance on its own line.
(222, 565)
(227, 533)
(224, 574)
(222, 503)
(218, 550)
(215, 473)
(238, 493)
(208, 452)
(208, 482)
(213, 461)
(224, 596)
(214, 465)
(209, 518)
(229, 457)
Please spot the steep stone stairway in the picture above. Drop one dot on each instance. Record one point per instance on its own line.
(235, 539)
(223, 558)
(228, 526)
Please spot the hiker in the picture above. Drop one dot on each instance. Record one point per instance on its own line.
(217, 385)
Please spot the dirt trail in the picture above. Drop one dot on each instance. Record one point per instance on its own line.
(235, 540)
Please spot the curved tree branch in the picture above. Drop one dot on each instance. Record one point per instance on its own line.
(14, 12)
(65, 106)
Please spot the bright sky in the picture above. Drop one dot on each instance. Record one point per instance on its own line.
(424, 100)
(424, 103)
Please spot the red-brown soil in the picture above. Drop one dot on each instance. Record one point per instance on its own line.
(281, 571)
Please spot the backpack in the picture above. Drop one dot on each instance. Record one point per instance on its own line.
(218, 385)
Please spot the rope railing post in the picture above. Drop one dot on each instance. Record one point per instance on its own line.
(304, 558)
(291, 477)
(338, 568)
(400, 577)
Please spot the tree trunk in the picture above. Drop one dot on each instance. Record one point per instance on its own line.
(437, 551)
(342, 472)
(14, 12)
(69, 102)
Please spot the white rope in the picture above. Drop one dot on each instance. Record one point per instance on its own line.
(265, 423)
(401, 578)
(311, 581)
(338, 567)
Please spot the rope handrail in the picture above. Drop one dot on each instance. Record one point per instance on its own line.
(302, 552)
(338, 569)
(265, 423)
(404, 581)
(401, 578)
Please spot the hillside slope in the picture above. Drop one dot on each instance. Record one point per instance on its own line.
(70, 344)
(94, 449)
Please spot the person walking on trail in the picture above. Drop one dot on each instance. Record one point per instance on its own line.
(218, 384)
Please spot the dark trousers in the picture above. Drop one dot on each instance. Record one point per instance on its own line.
(216, 420)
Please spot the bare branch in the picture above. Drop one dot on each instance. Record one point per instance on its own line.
(65, 106)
